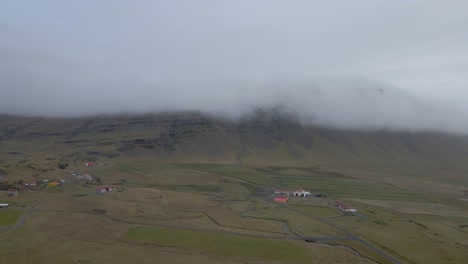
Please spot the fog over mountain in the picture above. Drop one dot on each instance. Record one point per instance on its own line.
(400, 65)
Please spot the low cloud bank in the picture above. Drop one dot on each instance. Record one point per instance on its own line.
(365, 65)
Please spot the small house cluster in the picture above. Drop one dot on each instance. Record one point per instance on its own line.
(283, 195)
(344, 207)
(296, 193)
(4, 205)
(46, 182)
(101, 190)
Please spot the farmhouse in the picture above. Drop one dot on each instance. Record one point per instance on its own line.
(281, 199)
(297, 193)
(31, 184)
(4, 205)
(344, 207)
(89, 164)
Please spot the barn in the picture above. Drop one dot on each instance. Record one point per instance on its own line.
(89, 164)
(344, 207)
(281, 199)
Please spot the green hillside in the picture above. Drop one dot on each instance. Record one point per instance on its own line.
(36, 145)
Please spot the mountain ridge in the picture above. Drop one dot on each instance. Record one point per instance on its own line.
(191, 136)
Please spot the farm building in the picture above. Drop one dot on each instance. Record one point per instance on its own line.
(101, 190)
(89, 164)
(285, 192)
(12, 192)
(344, 207)
(4, 205)
(30, 184)
(281, 199)
(297, 193)
(301, 193)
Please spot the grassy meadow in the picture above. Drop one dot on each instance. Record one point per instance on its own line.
(8, 216)
(215, 212)
(230, 245)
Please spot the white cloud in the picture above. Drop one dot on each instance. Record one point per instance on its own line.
(328, 61)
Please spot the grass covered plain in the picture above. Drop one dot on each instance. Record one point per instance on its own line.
(9, 217)
(223, 244)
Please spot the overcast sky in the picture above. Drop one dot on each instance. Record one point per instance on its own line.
(394, 64)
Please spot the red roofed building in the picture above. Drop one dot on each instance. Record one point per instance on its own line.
(89, 164)
(344, 207)
(281, 199)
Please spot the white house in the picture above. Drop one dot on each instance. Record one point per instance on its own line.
(4, 205)
(302, 193)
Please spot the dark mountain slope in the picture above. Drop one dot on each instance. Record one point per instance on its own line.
(265, 138)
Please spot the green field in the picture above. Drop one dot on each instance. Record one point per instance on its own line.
(9, 217)
(351, 188)
(188, 188)
(417, 208)
(316, 210)
(247, 174)
(222, 212)
(224, 244)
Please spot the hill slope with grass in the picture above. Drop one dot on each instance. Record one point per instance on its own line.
(263, 138)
